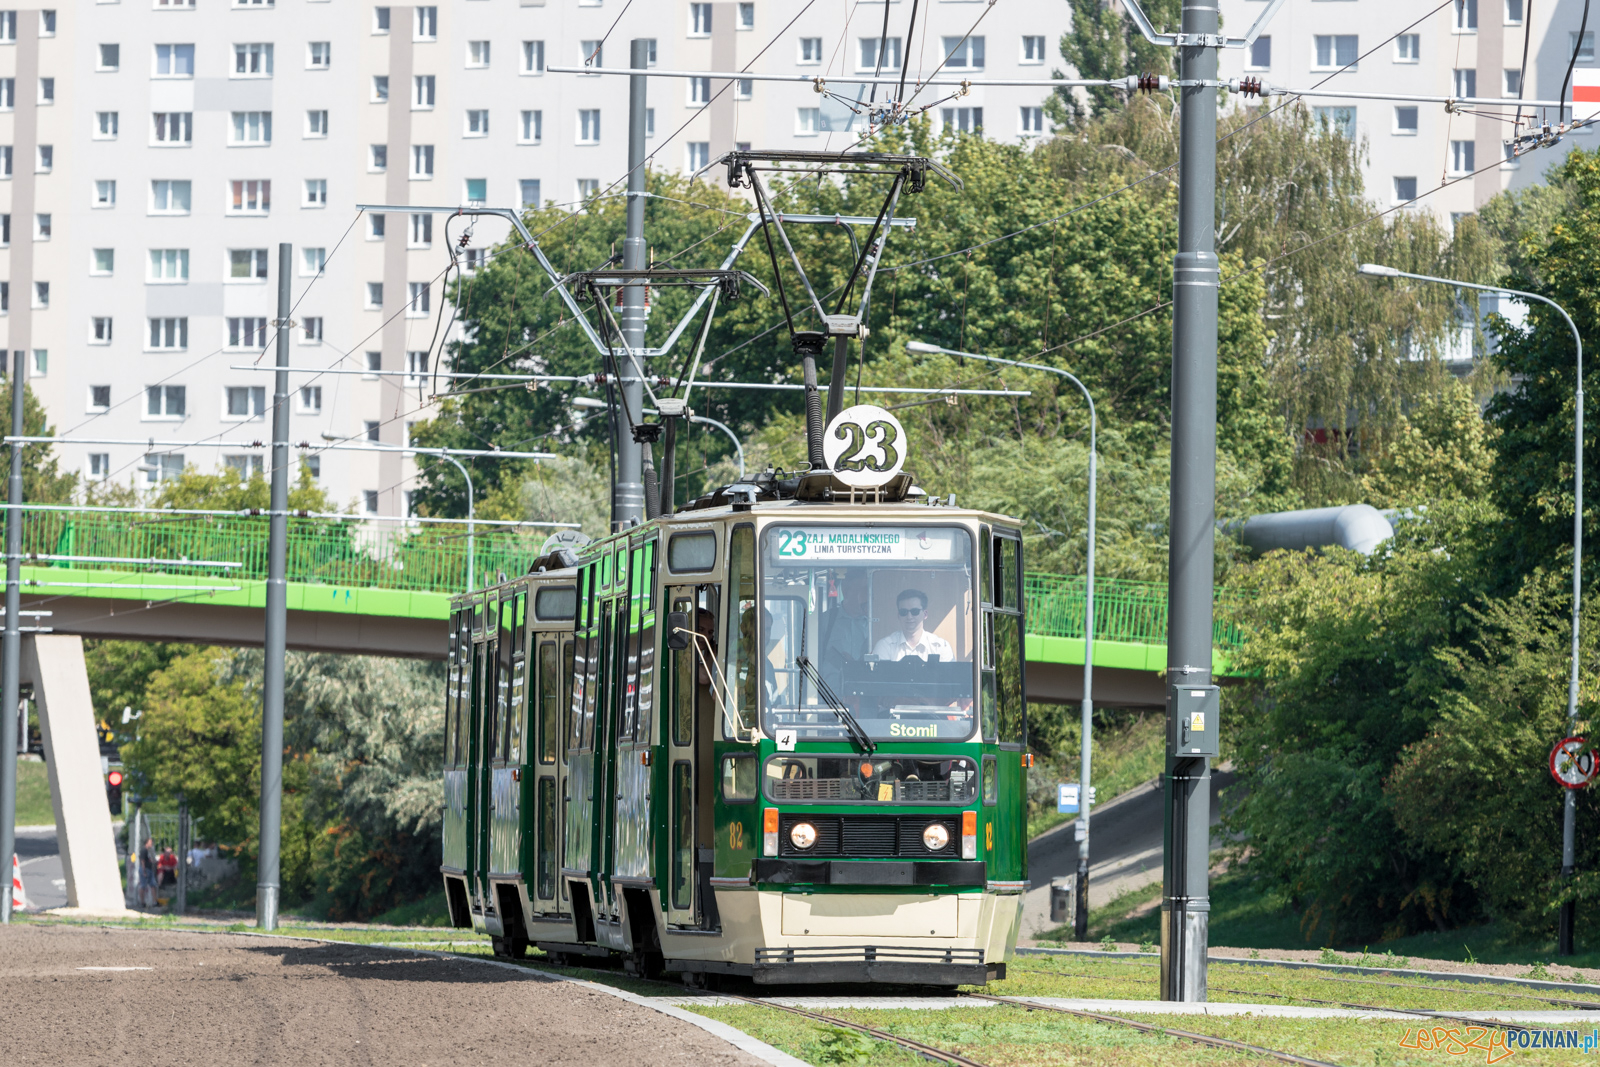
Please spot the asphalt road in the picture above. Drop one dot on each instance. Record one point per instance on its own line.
(42, 878)
(1124, 850)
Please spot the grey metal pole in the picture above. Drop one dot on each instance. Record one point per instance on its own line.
(180, 903)
(277, 619)
(1080, 923)
(1569, 808)
(629, 491)
(11, 651)
(1186, 827)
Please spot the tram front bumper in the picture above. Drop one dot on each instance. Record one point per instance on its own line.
(871, 963)
(870, 872)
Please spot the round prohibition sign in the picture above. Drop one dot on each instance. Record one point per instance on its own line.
(1570, 766)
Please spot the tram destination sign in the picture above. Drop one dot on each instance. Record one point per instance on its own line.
(851, 544)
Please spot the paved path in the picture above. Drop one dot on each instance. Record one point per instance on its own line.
(1124, 851)
(107, 995)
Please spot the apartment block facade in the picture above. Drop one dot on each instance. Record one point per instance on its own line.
(154, 153)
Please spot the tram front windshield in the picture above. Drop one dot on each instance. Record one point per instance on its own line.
(876, 619)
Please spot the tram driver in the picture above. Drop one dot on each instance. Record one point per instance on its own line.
(912, 639)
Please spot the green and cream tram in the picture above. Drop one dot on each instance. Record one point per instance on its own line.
(762, 737)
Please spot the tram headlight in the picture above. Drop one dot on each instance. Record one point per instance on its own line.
(935, 837)
(802, 835)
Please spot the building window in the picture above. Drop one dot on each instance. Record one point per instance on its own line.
(173, 127)
(169, 265)
(533, 57)
(1407, 48)
(105, 190)
(316, 193)
(421, 231)
(477, 53)
(1336, 50)
(244, 466)
(591, 56)
(531, 128)
(962, 119)
(1032, 120)
(477, 123)
(47, 90)
(375, 227)
(8, 94)
(810, 50)
(253, 3)
(426, 27)
(528, 188)
(963, 54)
(41, 362)
(1337, 120)
(311, 330)
(246, 401)
(312, 261)
(1405, 121)
(247, 332)
(699, 92)
(1509, 160)
(477, 191)
(174, 61)
(5, 161)
(170, 197)
(252, 60)
(311, 399)
(588, 187)
(252, 128)
(649, 123)
(747, 17)
(1463, 157)
(313, 466)
(1583, 48)
(380, 88)
(589, 125)
(250, 198)
(475, 259)
(807, 121)
(162, 467)
(110, 57)
(105, 125)
(99, 466)
(1466, 16)
(416, 370)
(744, 88)
(380, 20)
(378, 158)
(698, 154)
(319, 55)
(42, 225)
(1464, 83)
(373, 429)
(374, 364)
(422, 161)
(1513, 12)
(699, 20)
(47, 22)
(165, 401)
(370, 499)
(422, 97)
(8, 26)
(45, 160)
(374, 294)
(650, 51)
(247, 264)
(1261, 53)
(1511, 85)
(1032, 49)
(169, 334)
(316, 123)
(100, 330)
(102, 261)
(420, 303)
(99, 398)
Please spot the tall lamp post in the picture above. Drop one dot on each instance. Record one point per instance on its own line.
(1081, 912)
(1569, 813)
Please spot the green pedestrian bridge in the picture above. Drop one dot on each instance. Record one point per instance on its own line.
(358, 586)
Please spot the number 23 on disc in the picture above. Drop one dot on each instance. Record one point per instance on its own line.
(864, 446)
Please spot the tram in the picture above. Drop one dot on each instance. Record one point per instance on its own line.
(766, 736)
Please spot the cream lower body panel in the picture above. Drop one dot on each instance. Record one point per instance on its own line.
(762, 918)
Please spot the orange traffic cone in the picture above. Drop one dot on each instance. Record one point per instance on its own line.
(18, 900)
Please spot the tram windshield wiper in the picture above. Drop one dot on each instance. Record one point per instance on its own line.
(852, 727)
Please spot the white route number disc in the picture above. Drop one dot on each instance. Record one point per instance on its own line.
(573, 539)
(864, 446)
(1570, 767)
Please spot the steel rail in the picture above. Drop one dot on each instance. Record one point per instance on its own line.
(1149, 1028)
(927, 1051)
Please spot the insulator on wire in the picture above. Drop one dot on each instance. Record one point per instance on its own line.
(1149, 83)
(1250, 87)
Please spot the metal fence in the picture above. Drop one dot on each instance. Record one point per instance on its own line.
(1124, 610)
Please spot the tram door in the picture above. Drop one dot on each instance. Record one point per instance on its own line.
(552, 655)
(691, 720)
(505, 794)
(487, 728)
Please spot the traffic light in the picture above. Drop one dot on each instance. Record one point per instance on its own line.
(114, 790)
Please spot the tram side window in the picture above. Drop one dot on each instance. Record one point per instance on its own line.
(743, 676)
(519, 678)
(682, 835)
(549, 702)
(738, 779)
(463, 687)
(505, 649)
(991, 781)
(1010, 574)
(568, 677)
(683, 681)
(452, 681)
(545, 866)
(1008, 642)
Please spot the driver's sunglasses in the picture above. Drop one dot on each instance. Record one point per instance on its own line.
(909, 613)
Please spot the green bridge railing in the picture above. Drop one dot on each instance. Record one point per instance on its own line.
(432, 559)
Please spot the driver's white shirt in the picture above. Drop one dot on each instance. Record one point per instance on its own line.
(894, 647)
